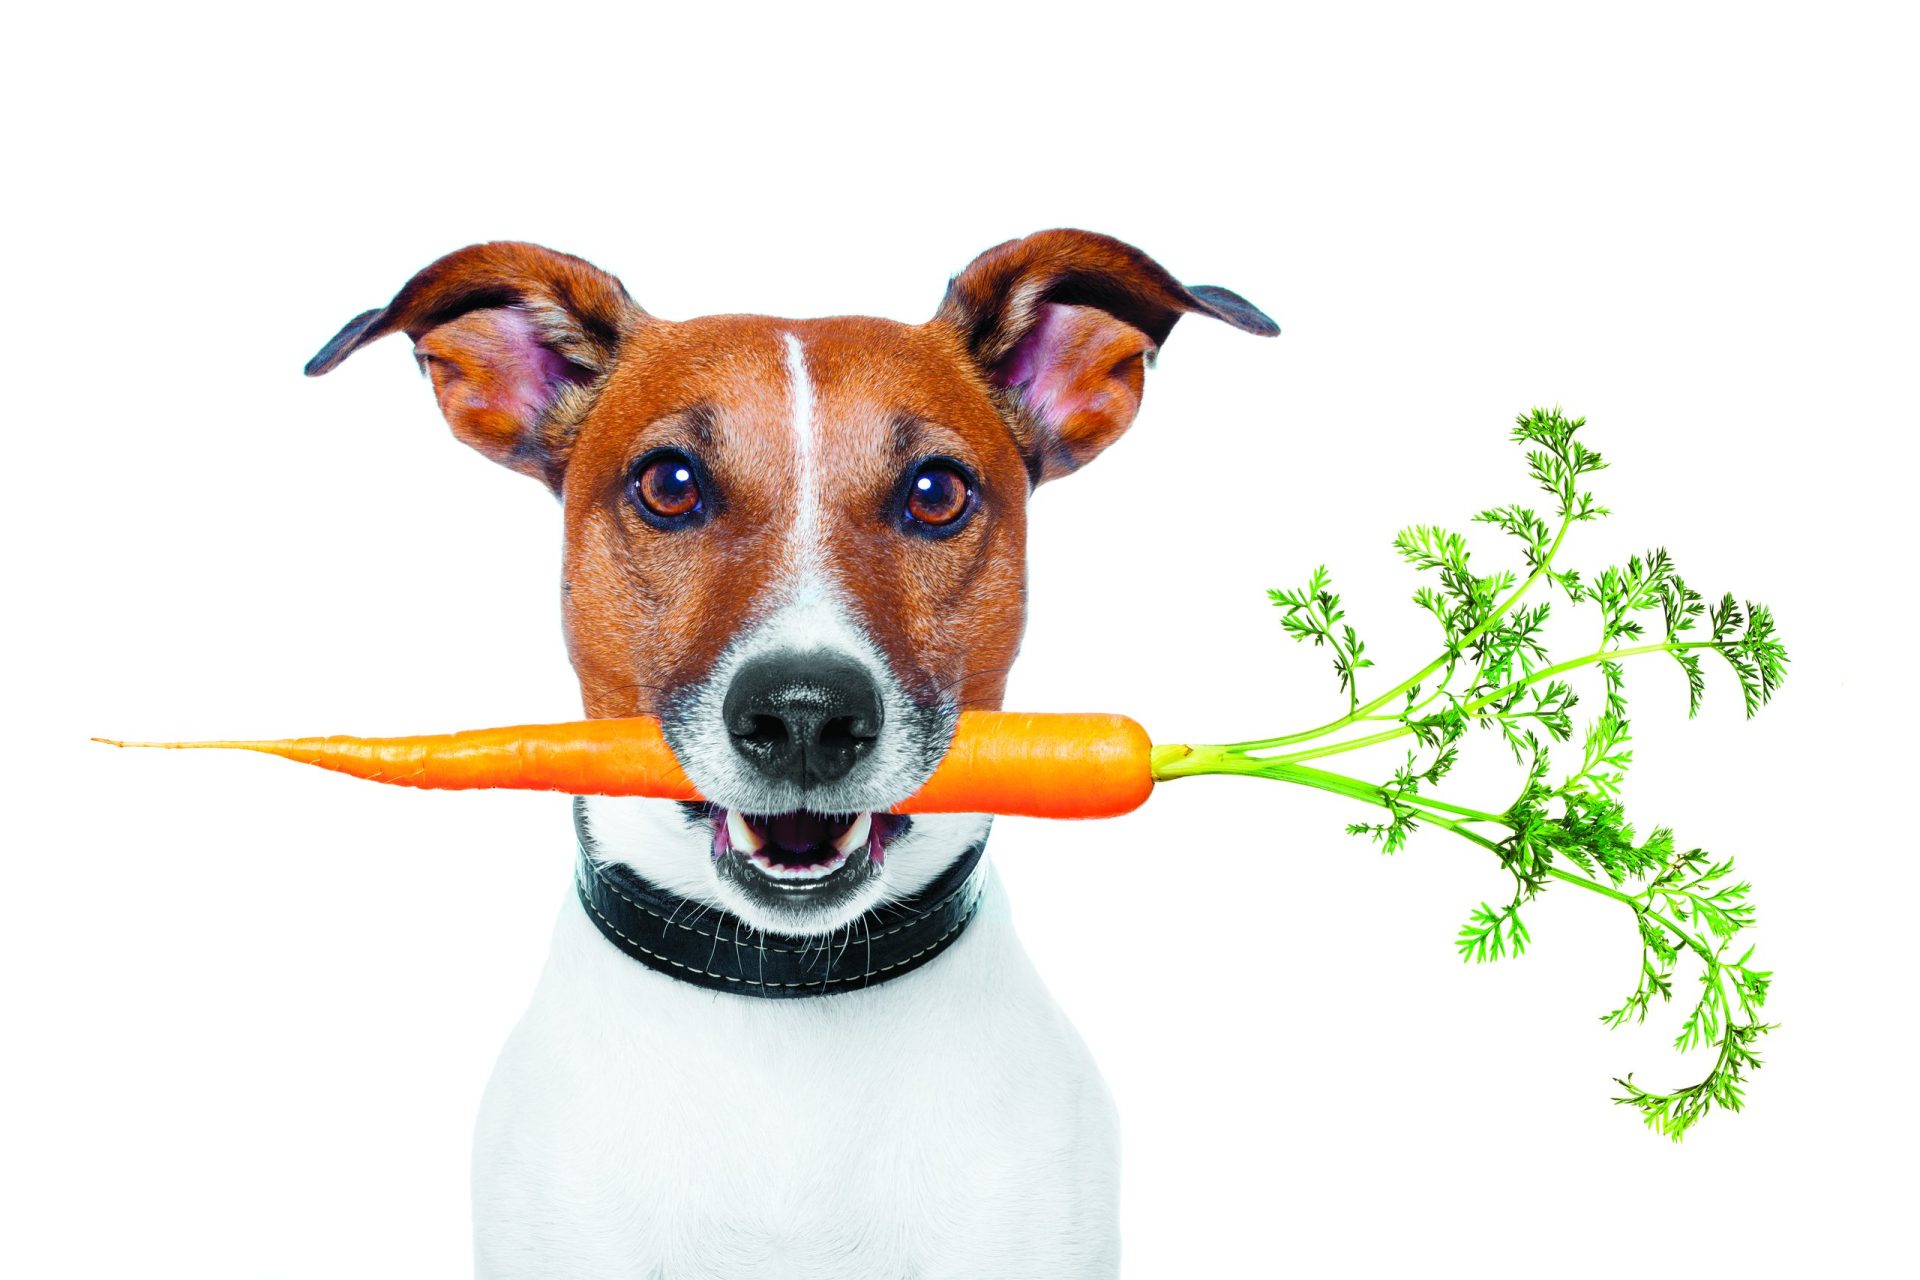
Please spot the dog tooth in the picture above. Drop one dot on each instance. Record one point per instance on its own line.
(742, 835)
(854, 836)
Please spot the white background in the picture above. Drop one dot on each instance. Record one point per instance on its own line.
(249, 1008)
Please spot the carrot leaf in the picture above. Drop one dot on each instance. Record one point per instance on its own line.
(1494, 673)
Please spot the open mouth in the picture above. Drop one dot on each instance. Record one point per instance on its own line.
(802, 852)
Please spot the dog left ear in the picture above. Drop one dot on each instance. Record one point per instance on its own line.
(514, 336)
(1063, 324)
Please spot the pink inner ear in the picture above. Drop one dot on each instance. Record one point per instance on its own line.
(1078, 372)
(1041, 367)
(528, 376)
(1068, 366)
(495, 377)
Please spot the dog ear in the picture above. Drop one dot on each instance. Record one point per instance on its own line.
(515, 338)
(1063, 324)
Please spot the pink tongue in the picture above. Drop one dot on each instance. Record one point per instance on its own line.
(800, 832)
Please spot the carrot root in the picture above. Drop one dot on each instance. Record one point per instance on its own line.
(1032, 765)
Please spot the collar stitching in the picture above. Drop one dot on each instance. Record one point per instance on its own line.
(607, 883)
(862, 978)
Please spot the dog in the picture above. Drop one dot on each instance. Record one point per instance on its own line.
(783, 1032)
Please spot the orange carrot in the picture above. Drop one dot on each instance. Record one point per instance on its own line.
(593, 757)
(1047, 766)
(1040, 766)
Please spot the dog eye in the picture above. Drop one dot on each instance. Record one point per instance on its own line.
(663, 485)
(940, 495)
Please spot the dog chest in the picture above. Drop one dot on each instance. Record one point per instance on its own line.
(948, 1123)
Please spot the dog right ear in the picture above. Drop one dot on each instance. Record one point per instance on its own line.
(1063, 325)
(514, 336)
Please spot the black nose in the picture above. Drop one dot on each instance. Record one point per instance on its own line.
(802, 718)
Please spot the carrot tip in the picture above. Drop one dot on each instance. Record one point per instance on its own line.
(121, 742)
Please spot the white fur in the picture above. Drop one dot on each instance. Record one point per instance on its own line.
(949, 1123)
(806, 543)
(811, 619)
(809, 615)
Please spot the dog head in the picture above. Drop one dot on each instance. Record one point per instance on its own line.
(800, 543)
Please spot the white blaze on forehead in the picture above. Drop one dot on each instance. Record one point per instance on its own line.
(806, 613)
(806, 553)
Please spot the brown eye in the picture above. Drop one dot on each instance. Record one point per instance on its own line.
(939, 496)
(665, 487)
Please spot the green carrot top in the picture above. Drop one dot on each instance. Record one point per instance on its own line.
(1493, 672)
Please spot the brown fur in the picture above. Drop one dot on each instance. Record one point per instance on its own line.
(648, 610)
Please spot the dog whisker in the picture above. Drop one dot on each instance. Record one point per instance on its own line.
(970, 675)
(590, 692)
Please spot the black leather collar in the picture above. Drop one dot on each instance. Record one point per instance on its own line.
(712, 948)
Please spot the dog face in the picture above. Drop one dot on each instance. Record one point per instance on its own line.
(800, 543)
